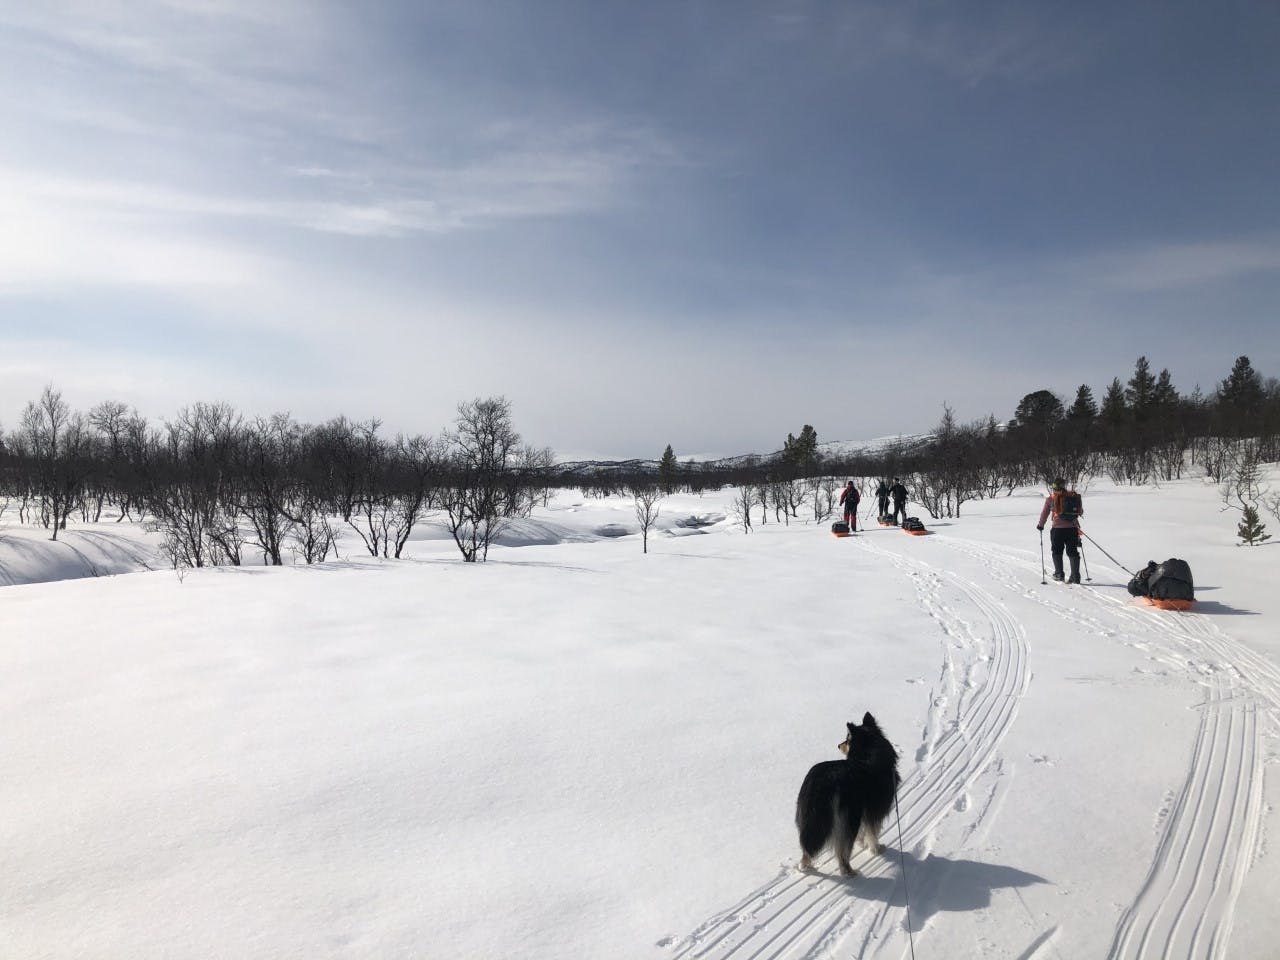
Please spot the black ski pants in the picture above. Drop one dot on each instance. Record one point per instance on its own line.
(899, 507)
(883, 504)
(1068, 539)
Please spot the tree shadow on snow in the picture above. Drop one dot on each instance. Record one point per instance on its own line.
(940, 885)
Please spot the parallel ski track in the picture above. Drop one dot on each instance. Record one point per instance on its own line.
(1185, 905)
(805, 915)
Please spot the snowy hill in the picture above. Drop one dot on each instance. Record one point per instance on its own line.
(829, 449)
(578, 751)
(27, 555)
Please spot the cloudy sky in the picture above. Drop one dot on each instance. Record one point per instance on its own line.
(695, 223)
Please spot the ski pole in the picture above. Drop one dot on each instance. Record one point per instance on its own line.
(1085, 561)
(1107, 555)
(1043, 579)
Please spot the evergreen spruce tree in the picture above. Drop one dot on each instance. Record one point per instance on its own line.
(667, 470)
(1114, 407)
(1242, 391)
(1252, 530)
(1084, 409)
(1141, 391)
(1165, 394)
(801, 453)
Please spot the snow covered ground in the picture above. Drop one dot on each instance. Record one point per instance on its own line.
(579, 751)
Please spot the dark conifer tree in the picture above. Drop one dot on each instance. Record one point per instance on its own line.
(1242, 390)
(801, 453)
(1251, 530)
(1084, 409)
(1115, 409)
(1165, 395)
(1140, 393)
(668, 470)
(1039, 409)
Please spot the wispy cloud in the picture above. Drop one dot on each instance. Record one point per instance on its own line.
(378, 193)
(515, 180)
(1009, 42)
(255, 127)
(972, 44)
(60, 234)
(1177, 266)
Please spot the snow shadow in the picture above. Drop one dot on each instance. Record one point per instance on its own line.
(1215, 609)
(940, 885)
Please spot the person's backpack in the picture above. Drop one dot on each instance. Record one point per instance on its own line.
(1172, 581)
(1066, 505)
(1140, 585)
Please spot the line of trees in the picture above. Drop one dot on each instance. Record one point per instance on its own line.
(1143, 431)
(221, 488)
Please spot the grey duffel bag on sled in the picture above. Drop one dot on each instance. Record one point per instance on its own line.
(1170, 580)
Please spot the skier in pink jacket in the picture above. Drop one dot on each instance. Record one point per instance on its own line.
(1067, 508)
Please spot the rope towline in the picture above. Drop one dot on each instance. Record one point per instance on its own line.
(1107, 555)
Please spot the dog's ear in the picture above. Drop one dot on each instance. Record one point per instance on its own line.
(869, 721)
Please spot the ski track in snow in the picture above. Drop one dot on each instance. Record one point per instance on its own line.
(1185, 905)
(810, 915)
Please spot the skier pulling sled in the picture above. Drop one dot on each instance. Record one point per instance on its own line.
(882, 502)
(1066, 507)
(849, 499)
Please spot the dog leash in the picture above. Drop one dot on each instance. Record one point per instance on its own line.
(902, 856)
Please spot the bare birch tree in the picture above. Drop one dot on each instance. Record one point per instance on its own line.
(646, 503)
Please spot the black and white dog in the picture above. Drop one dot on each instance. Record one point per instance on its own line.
(840, 796)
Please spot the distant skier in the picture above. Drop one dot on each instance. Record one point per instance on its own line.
(899, 494)
(849, 498)
(1067, 508)
(882, 499)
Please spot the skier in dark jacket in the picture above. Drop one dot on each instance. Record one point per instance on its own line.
(1067, 508)
(849, 498)
(882, 498)
(899, 494)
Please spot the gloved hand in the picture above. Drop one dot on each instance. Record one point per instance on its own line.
(1040, 527)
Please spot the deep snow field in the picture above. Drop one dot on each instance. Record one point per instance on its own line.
(579, 751)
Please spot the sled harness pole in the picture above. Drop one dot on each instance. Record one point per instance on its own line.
(1107, 555)
(1042, 576)
(902, 856)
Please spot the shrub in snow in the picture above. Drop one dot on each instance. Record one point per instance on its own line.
(1252, 530)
